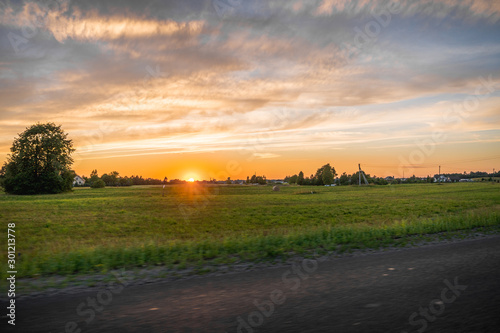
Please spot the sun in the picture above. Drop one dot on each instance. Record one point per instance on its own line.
(191, 180)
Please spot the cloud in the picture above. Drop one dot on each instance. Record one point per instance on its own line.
(90, 26)
(457, 9)
(173, 77)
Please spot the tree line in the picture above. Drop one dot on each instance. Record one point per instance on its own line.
(324, 176)
(114, 179)
(471, 175)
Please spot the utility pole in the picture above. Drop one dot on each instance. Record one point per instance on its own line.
(359, 173)
(364, 177)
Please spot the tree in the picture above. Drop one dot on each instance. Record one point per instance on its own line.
(94, 174)
(125, 181)
(2, 174)
(344, 179)
(300, 178)
(93, 177)
(328, 172)
(293, 179)
(111, 179)
(40, 161)
(99, 183)
(258, 180)
(327, 175)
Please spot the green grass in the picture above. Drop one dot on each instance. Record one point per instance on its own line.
(95, 230)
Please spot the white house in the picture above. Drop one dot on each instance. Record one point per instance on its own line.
(78, 181)
(441, 179)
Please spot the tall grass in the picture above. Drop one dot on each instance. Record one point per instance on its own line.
(252, 247)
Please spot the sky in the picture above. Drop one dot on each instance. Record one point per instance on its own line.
(228, 88)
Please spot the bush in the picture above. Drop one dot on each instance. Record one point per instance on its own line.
(99, 183)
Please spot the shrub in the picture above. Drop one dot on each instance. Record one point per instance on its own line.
(99, 183)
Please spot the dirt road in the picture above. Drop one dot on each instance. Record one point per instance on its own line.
(443, 288)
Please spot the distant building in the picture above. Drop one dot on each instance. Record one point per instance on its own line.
(466, 180)
(441, 179)
(78, 181)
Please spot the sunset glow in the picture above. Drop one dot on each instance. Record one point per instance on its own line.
(267, 87)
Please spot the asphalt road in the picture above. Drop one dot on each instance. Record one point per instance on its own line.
(443, 288)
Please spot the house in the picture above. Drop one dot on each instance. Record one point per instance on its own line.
(441, 179)
(78, 181)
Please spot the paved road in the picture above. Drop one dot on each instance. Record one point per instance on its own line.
(444, 288)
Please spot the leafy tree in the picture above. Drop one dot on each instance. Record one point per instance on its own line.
(300, 178)
(94, 174)
(327, 175)
(258, 180)
(293, 179)
(111, 179)
(139, 180)
(307, 181)
(2, 175)
(317, 179)
(40, 161)
(344, 179)
(99, 183)
(379, 181)
(125, 181)
(93, 177)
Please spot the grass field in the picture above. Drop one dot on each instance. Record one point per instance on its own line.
(91, 230)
